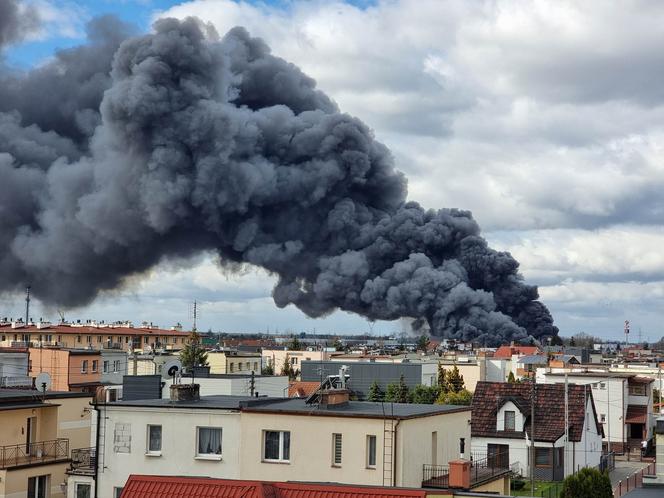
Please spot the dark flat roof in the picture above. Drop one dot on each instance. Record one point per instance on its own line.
(366, 409)
(296, 406)
(30, 398)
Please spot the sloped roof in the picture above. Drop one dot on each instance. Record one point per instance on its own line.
(636, 414)
(140, 486)
(302, 389)
(508, 351)
(549, 409)
(533, 359)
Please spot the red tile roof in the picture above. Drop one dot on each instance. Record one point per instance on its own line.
(105, 329)
(139, 486)
(549, 409)
(302, 389)
(508, 351)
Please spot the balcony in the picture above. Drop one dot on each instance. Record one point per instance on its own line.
(40, 453)
(482, 470)
(83, 461)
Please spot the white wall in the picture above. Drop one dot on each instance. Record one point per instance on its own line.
(518, 417)
(497, 370)
(178, 455)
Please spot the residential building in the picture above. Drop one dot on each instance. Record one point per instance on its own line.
(623, 400)
(237, 437)
(235, 385)
(364, 373)
(91, 335)
(502, 427)
(507, 352)
(276, 357)
(148, 364)
(114, 366)
(14, 368)
(233, 362)
(70, 369)
(38, 432)
(471, 371)
(527, 365)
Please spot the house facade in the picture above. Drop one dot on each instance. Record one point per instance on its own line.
(624, 402)
(14, 368)
(236, 437)
(234, 362)
(38, 433)
(70, 369)
(502, 428)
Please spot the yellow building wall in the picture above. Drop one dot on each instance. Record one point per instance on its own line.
(75, 421)
(499, 486)
(14, 424)
(15, 482)
(472, 373)
(217, 362)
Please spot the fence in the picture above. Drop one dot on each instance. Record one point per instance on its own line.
(83, 460)
(435, 476)
(607, 462)
(552, 491)
(19, 455)
(632, 481)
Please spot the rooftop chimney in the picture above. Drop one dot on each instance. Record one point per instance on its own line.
(334, 397)
(185, 392)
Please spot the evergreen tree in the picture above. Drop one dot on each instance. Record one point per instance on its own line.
(462, 397)
(294, 344)
(587, 483)
(423, 343)
(193, 355)
(425, 395)
(288, 370)
(510, 378)
(268, 369)
(375, 392)
(453, 381)
(398, 392)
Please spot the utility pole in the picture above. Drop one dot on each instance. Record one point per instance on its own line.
(566, 426)
(532, 436)
(195, 315)
(608, 414)
(252, 384)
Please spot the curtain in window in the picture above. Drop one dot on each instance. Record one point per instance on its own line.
(155, 438)
(209, 441)
(272, 445)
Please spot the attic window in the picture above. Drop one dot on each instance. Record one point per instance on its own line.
(510, 418)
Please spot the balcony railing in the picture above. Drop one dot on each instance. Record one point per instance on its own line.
(83, 461)
(481, 470)
(20, 455)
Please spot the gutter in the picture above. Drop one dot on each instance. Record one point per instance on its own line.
(96, 470)
(394, 464)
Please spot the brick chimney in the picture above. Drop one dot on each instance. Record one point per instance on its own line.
(334, 397)
(185, 392)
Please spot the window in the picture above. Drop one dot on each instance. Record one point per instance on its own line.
(154, 439)
(29, 365)
(542, 457)
(88, 339)
(95, 364)
(255, 366)
(82, 490)
(117, 492)
(602, 417)
(146, 339)
(209, 441)
(231, 365)
(510, 424)
(78, 338)
(116, 366)
(38, 487)
(336, 449)
(602, 385)
(371, 452)
(59, 338)
(239, 366)
(106, 366)
(126, 339)
(637, 390)
(276, 446)
(84, 366)
(99, 338)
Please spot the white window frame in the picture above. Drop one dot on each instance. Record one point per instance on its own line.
(82, 484)
(337, 449)
(375, 450)
(281, 458)
(209, 456)
(513, 414)
(117, 491)
(149, 451)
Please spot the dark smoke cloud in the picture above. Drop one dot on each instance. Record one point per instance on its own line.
(16, 21)
(200, 143)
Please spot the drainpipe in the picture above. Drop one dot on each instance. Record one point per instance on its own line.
(394, 464)
(96, 470)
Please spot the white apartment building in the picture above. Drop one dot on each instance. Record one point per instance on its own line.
(236, 385)
(335, 440)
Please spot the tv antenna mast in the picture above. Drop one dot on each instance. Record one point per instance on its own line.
(194, 315)
(27, 305)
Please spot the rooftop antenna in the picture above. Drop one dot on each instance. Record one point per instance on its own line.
(626, 331)
(27, 305)
(194, 315)
(62, 316)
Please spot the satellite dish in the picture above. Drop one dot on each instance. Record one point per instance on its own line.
(43, 382)
(171, 368)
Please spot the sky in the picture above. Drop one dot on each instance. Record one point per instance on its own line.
(545, 119)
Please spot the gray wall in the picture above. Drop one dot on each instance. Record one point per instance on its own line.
(363, 374)
(141, 387)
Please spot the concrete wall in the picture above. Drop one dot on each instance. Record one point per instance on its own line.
(497, 370)
(178, 455)
(236, 385)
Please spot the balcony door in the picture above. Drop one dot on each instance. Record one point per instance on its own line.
(498, 455)
(30, 434)
(38, 487)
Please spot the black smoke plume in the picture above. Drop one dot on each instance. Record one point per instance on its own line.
(118, 155)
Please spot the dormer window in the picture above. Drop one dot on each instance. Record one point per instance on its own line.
(510, 420)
